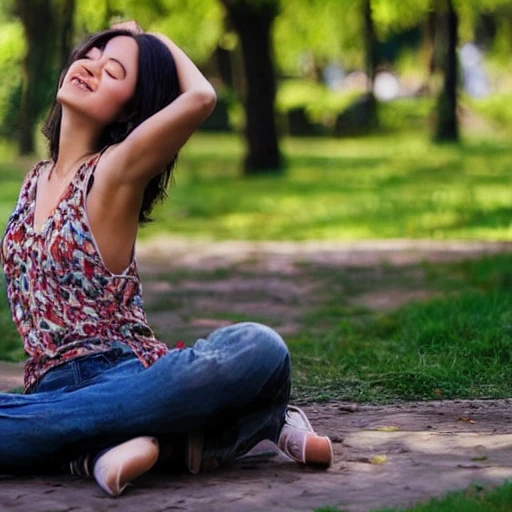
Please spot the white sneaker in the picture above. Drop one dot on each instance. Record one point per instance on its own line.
(117, 467)
(300, 442)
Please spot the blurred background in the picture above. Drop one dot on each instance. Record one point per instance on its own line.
(336, 119)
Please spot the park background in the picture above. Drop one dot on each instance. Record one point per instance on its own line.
(378, 130)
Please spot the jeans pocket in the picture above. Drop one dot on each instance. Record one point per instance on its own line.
(57, 378)
(90, 367)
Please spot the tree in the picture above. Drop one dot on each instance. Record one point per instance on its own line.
(66, 31)
(447, 127)
(47, 47)
(370, 51)
(38, 65)
(253, 21)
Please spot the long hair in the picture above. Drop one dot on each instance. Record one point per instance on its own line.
(157, 86)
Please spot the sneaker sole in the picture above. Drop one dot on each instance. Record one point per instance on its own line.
(115, 469)
(319, 451)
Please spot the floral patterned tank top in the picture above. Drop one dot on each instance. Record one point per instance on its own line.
(64, 301)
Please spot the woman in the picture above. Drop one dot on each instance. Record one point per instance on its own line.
(102, 395)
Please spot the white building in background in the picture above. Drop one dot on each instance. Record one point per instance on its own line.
(474, 79)
(386, 86)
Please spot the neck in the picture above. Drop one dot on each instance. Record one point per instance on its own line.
(77, 142)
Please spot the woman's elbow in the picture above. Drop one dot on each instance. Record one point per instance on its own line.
(206, 100)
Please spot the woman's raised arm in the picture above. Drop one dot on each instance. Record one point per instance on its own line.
(190, 78)
(152, 144)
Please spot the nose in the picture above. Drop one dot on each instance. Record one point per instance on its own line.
(89, 68)
(93, 67)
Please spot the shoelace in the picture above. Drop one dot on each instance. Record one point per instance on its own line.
(80, 466)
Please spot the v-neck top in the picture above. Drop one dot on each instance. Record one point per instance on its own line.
(63, 299)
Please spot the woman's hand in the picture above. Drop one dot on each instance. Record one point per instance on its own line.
(132, 26)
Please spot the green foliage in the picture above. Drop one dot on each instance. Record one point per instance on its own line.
(320, 103)
(498, 60)
(405, 113)
(12, 48)
(318, 30)
(475, 499)
(90, 16)
(195, 25)
(497, 108)
(390, 16)
(469, 11)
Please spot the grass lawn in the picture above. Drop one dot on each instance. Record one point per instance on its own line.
(456, 344)
(475, 499)
(386, 186)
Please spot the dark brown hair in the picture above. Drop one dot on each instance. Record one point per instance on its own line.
(157, 86)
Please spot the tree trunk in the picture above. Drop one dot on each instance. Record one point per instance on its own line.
(447, 128)
(39, 23)
(66, 31)
(428, 49)
(253, 23)
(370, 53)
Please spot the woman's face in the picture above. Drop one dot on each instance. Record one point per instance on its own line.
(101, 83)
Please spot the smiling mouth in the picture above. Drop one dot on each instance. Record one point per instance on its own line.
(80, 83)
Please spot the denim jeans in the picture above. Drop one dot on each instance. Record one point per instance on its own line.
(233, 385)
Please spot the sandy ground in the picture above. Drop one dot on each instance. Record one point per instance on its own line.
(429, 448)
(393, 455)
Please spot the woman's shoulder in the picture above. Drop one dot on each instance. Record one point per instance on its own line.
(39, 165)
(32, 174)
(37, 168)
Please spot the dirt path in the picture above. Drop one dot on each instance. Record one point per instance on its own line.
(429, 447)
(193, 287)
(165, 253)
(432, 448)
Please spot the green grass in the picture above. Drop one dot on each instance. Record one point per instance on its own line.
(385, 186)
(381, 187)
(456, 345)
(496, 108)
(474, 499)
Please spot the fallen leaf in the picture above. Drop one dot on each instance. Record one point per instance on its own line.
(378, 459)
(466, 419)
(387, 429)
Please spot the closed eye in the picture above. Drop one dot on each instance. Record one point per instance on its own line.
(112, 62)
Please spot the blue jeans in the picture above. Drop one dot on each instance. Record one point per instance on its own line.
(234, 385)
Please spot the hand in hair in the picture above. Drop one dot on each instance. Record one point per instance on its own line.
(132, 26)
